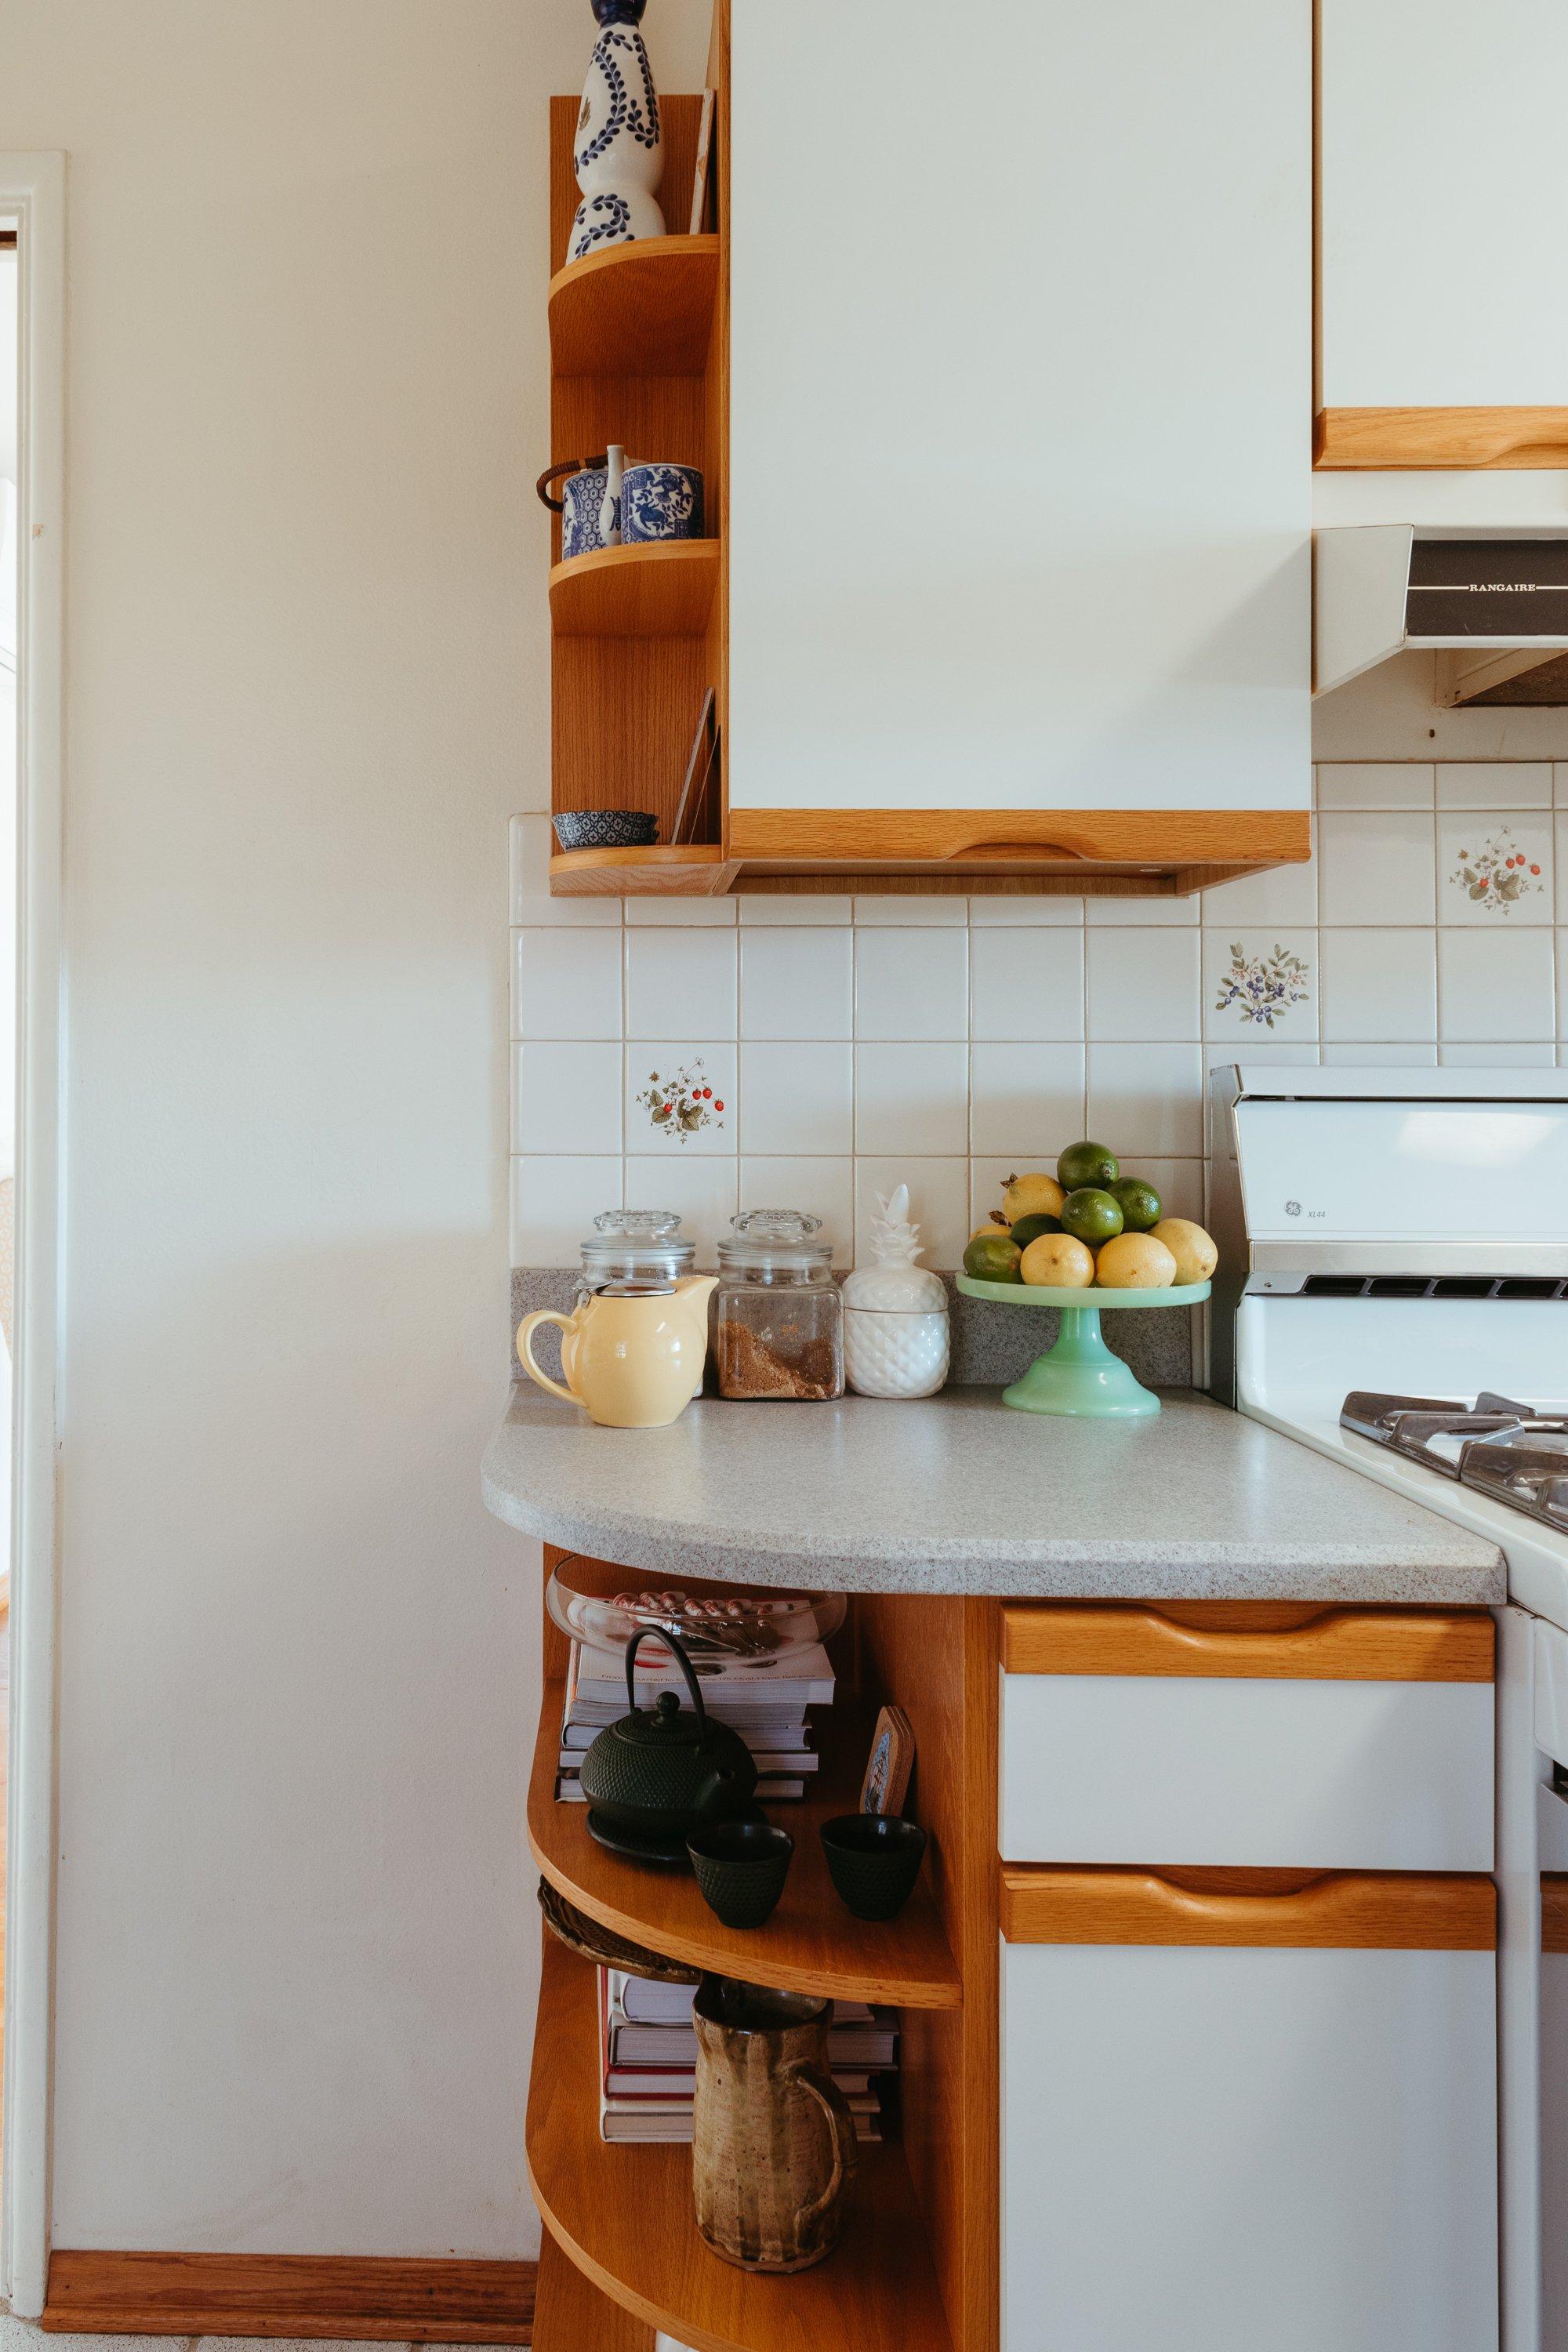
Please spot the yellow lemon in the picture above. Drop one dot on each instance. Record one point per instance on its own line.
(1135, 1262)
(1031, 1196)
(1057, 1261)
(996, 1224)
(1195, 1255)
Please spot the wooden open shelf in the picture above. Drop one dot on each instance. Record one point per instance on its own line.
(635, 309)
(697, 871)
(624, 2216)
(812, 1944)
(659, 591)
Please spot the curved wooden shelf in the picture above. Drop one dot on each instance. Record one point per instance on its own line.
(624, 2216)
(699, 870)
(810, 1945)
(635, 309)
(662, 590)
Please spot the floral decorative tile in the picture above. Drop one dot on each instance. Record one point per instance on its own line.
(1260, 984)
(680, 1098)
(1495, 870)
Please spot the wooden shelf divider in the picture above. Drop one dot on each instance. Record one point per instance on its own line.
(665, 590)
(635, 309)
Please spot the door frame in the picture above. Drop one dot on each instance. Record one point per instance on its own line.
(32, 188)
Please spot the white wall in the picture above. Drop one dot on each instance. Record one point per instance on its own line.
(307, 686)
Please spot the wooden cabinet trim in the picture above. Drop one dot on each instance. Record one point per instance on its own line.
(1415, 440)
(1005, 837)
(1336, 1910)
(1299, 1643)
(1554, 1911)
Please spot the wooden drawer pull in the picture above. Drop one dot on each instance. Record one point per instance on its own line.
(1383, 1910)
(1417, 1645)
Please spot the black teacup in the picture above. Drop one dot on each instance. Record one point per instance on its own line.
(873, 1860)
(741, 1867)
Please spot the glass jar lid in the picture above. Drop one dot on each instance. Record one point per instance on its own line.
(637, 1245)
(774, 1239)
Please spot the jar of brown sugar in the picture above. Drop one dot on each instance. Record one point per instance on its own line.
(779, 1317)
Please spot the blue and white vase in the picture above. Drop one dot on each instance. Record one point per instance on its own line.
(660, 501)
(619, 152)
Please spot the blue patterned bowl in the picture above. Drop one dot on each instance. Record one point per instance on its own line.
(606, 829)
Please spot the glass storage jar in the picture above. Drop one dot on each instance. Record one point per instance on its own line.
(635, 1246)
(780, 1320)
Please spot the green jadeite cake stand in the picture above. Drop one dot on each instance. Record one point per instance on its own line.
(1080, 1375)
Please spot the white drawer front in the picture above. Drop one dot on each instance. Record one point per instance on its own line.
(1249, 1774)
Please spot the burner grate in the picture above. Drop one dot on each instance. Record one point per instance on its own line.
(1513, 1451)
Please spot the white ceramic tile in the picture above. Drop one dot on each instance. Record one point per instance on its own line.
(797, 906)
(1179, 1183)
(700, 1081)
(939, 1204)
(797, 1098)
(1374, 1057)
(1537, 1057)
(1163, 914)
(797, 982)
(912, 985)
(1285, 894)
(1027, 985)
(703, 1192)
(1144, 985)
(1027, 1099)
(1562, 985)
(1301, 1053)
(1559, 783)
(1260, 984)
(909, 912)
(1375, 784)
(530, 843)
(682, 914)
(1494, 873)
(680, 983)
(554, 1201)
(1376, 867)
(1022, 913)
(566, 1097)
(823, 1187)
(566, 984)
(1495, 984)
(912, 1099)
(1146, 1100)
(1377, 985)
(1494, 783)
(1561, 860)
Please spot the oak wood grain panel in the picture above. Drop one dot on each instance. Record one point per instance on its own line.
(625, 2217)
(1419, 1645)
(664, 590)
(1415, 440)
(570, 2314)
(1554, 1911)
(357, 2298)
(700, 872)
(936, 1658)
(716, 406)
(1243, 837)
(625, 710)
(1339, 1910)
(635, 309)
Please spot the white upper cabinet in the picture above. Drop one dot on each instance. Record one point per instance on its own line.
(1021, 384)
(1445, 196)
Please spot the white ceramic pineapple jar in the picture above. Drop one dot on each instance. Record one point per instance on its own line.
(895, 1312)
(617, 150)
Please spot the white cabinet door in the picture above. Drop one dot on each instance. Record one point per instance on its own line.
(1444, 191)
(1020, 391)
(1223, 2151)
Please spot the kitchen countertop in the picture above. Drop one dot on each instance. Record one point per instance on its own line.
(960, 1494)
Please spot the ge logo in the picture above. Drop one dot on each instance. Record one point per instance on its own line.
(1292, 1208)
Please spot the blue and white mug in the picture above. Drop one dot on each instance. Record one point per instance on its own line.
(660, 501)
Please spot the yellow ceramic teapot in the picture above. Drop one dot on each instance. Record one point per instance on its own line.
(632, 1351)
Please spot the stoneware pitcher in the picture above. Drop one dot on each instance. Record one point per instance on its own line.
(632, 1353)
(773, 2146)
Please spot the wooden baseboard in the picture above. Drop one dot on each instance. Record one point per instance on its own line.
(357, 2298)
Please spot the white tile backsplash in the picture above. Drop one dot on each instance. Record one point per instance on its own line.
(949, 1042)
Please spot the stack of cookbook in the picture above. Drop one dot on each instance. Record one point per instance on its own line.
(764, 1699)
(648, 2053)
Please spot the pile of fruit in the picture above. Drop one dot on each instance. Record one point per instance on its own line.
(1086, 1226)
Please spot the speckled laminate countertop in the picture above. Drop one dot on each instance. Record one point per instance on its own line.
(959, 1494)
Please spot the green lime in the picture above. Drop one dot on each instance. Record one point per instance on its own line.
(1029, 1228)
(992, 1257)
(1138, 1203)
(1092, 1215)
(1086, 1163)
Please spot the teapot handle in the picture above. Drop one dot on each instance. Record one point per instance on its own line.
(657, 1633)
(553, 473)
(525, 1331)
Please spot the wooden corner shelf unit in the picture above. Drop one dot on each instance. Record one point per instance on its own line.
(916, 2268)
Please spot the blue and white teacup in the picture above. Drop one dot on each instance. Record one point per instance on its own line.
(660, 501)
(581, 505)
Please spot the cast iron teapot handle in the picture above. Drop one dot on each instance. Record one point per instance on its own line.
(659, 1634)
(553, 473)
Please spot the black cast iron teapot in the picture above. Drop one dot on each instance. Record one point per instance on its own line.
(661, 1770)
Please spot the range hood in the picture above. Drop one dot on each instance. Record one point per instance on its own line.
(1491, 602)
